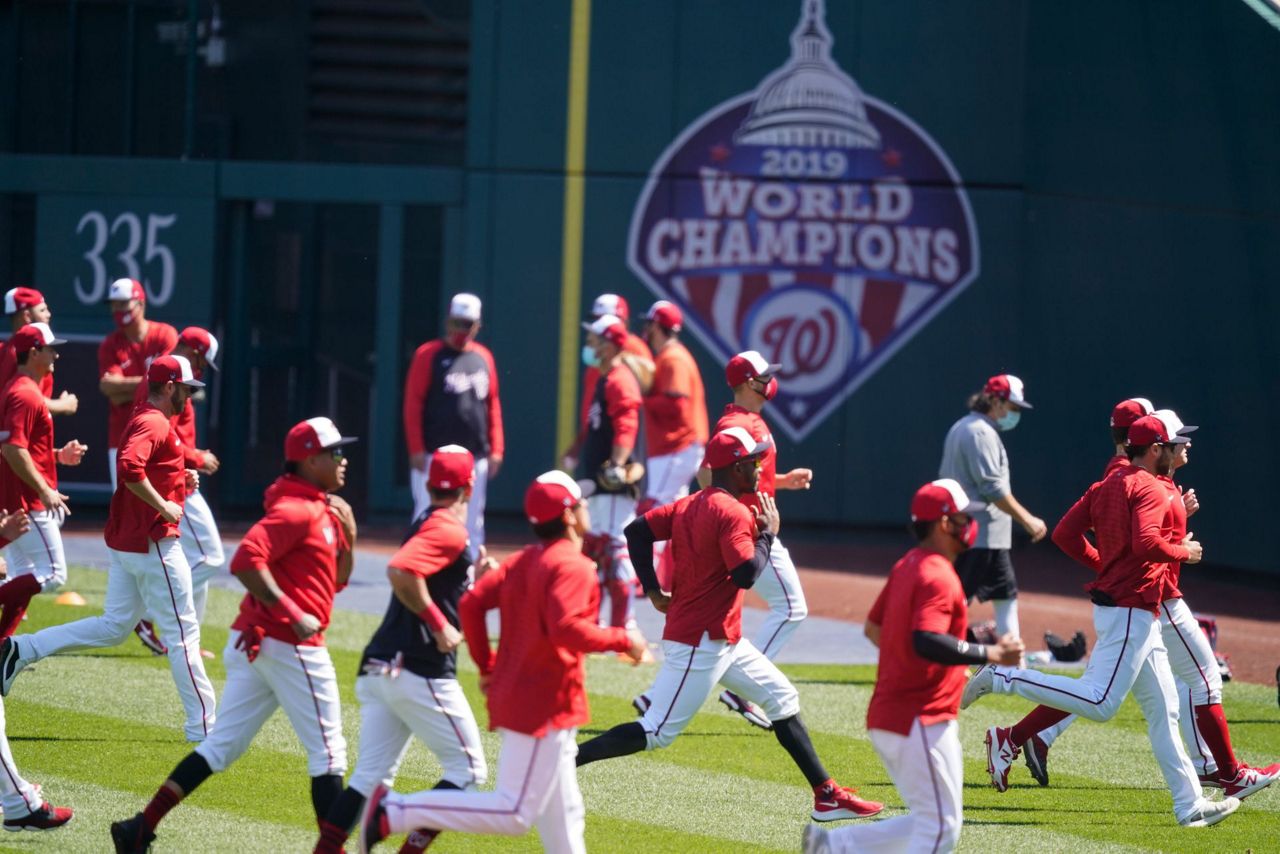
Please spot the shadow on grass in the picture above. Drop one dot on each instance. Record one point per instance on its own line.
(800, 681)
(1079, 787)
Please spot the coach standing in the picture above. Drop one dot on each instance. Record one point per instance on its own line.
(974, 456)
(123, 356)
(675, 409)
(451, 398)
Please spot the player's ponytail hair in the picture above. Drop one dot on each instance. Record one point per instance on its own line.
(981, 402)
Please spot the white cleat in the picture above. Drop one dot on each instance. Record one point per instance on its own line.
(980, 684)
(1209, 813)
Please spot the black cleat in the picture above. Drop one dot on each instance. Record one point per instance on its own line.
(131, 836)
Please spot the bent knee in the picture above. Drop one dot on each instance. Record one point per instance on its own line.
(659, 739)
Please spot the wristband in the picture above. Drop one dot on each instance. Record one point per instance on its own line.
(432, 616)
(295, 614)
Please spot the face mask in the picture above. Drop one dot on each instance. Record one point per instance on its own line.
(589, 356)
(770, 388)
(1009, 421)
(122, 318)
(456, 340)
(970, 534)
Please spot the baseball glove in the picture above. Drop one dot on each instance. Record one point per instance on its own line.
(642, 368)
(624, 478)
(1066, 651)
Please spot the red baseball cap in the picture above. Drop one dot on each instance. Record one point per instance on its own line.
(1007, 387)
(34, 335)
(16, 299)
(202, 341)
(667, 315)
(452, 467)
(1162, 427)
(611, 304)
(732, 445)
(311, 437)
(173, 369)
(937, 499)
(608, 327)
(549, 495)
(126, 289)
(1128, 411)
(748, 365)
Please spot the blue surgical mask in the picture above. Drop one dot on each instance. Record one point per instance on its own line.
(1009, 421)
(589, 356)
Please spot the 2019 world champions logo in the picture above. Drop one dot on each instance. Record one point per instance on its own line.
(809, 221)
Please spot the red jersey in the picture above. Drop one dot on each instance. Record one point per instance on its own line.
(9, 369)
(1129, 514)
(711, 533)
(149, 450)
(297, 541)
(675, 409)
(1115, 464)
(735, 416)
(120, 356)
(184, 423)
(451, 398)
(1174, 529)
(26, 418)
(923, 594)
(549, 602)
(634, 345)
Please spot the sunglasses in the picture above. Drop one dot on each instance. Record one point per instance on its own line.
(337, 453)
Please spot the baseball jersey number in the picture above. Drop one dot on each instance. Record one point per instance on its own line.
(128, 227)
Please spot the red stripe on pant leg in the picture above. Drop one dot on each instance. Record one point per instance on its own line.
(1187, 647)
(456, 730)
(933, 780)
(671, 706)
(1103, 698)
(186, 656)
(315, 701)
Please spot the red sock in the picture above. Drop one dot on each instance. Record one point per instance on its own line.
(332, 838)
(14, 597)
(165, 799)
(619, 603)
(1037, 721)
(1212, 724)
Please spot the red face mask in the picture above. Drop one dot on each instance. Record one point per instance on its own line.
(456, 340)
(123, 318)
(970, 534)
(770, 389)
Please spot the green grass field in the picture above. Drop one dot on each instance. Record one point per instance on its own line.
(101, 730)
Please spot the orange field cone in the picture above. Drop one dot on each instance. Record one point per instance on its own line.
(70, 598)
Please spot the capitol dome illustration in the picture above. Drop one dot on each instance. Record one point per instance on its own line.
(809, 101)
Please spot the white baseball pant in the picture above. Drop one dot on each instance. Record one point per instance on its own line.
(537, 787)
(688, 675)
(299, 679)
(18, 797)
(1197, 679)
(475, 507)
(202, 544)
(1128, 655)
(927, 768)
(779, 587)
(159, 582)
(610, 515)
(39, 552)
(668, 476)
(112, 454)
(393, 709)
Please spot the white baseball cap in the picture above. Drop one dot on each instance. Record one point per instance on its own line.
(611, 304)
(126, 289)
(1007, 387)
(465, 307)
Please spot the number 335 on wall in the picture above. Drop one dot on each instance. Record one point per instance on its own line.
(140, 250)
(85, 241)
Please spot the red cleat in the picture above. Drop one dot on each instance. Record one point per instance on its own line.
(48, 817)
(833, 802)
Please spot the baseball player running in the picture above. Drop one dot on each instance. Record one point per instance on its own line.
(123, 357)
(29, 474)
(675, 418)
(408, 682)
(1198, 681)
(27, 305)
(1127, 512)
(451, 398)
(974, 456)
(612, 428)
(201, 542)
(291, 562)
(721, 549)
(24, 808)
(148, 571)
(919, 622)
(754, 384)
(548, 601)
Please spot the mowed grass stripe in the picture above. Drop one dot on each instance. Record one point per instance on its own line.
(692, 796)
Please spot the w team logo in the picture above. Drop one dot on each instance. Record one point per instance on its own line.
(809, 221)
